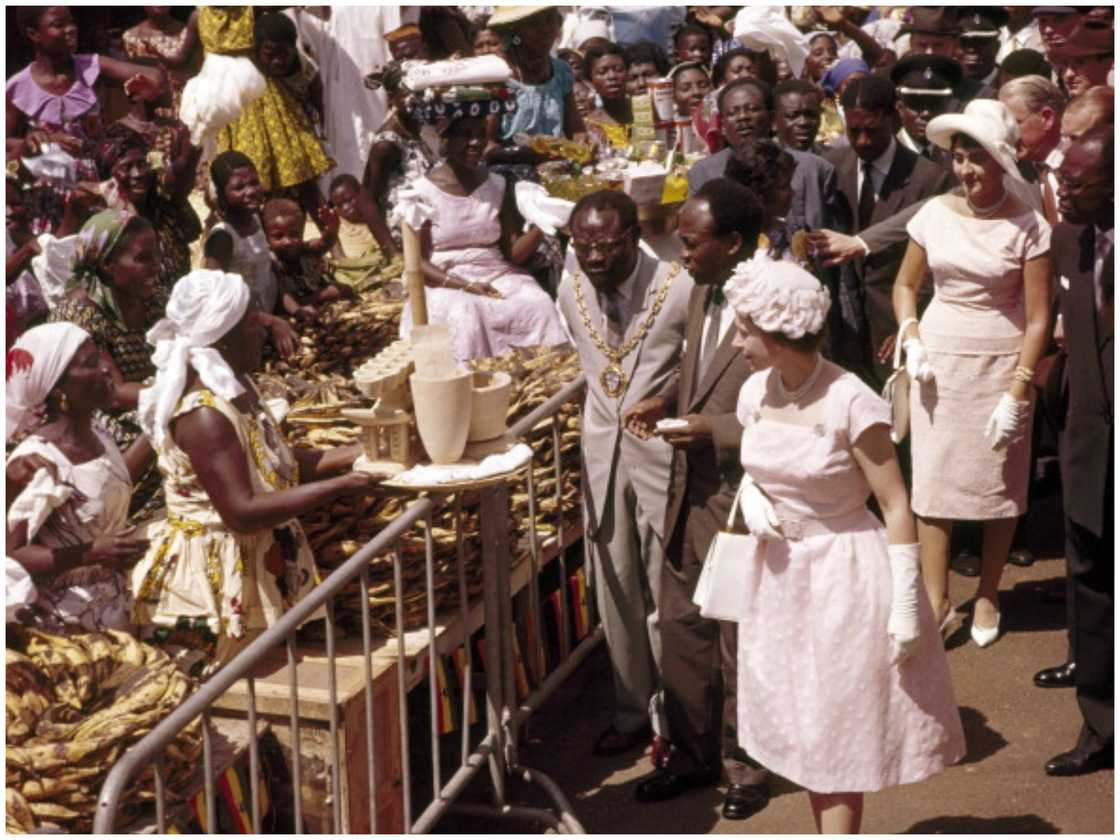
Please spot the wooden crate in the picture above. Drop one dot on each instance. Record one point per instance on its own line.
(273, 705)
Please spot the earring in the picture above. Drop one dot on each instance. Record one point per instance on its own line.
(516, 40)
(63, 403)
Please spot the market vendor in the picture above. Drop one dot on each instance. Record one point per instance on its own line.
(542, 84)
(472, 249)
(67, 523)
(231, 557)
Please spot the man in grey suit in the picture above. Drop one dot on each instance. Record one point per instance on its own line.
(746, 109)
(625, 311)
(718, 228)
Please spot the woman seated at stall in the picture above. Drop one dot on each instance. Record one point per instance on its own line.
(231, 556)
(110, 292)
(54, 100)
(130, 183)
(471, 252)
(67, 523)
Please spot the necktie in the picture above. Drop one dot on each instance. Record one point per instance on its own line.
(866, 196)
(711, 328)
(613, 311)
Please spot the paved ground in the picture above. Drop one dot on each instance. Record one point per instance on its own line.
(1012, 729)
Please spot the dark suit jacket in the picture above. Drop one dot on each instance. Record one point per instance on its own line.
(706, 480)
(910, 180)
(1086, 447)
(816, 203)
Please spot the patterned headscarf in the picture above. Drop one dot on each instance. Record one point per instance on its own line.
(96, 241)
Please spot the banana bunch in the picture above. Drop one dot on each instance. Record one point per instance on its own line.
(85, 699)
(347, 333)
(27, 695)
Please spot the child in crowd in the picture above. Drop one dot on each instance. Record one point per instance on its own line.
(693, 43)
(487, 42)
(298, 265)
(274, 131)
(356, 257)
(407, 44)
(237, 243)
(575, 61)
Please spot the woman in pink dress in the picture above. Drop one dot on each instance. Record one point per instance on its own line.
(972, 356)
(844, 686)
(472, 250)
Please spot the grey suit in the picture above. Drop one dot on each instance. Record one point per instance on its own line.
(816, 203)
(698, 660)
(624, 479)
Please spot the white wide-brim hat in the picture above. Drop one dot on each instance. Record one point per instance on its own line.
(509, 15)
(989, 123)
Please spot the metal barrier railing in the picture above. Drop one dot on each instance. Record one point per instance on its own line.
(497, 749)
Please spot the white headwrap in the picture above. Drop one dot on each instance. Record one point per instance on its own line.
(768, 28)
(204, 306)
(778, 296)
(34, 365)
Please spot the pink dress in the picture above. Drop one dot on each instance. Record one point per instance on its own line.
(465, 235)
(819, 700)
(973, 332)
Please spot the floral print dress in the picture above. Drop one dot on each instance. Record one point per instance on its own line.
(203, 586)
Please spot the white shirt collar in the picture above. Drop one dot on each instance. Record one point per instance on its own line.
(1054, 159)
(625, 290)
(909, 142)
(882, 164)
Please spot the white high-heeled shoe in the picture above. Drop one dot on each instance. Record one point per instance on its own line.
(984, 636)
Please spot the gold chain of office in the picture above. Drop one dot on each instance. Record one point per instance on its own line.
(613, 378)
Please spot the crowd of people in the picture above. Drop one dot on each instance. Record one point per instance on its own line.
(913, 202)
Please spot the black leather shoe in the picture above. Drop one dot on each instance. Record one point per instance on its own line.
(1077, 762)
(1020, 557)
(744, 801)
(664, 784)
(613, 742)
(1060, 676)
(966, 563)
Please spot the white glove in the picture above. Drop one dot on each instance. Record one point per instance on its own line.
(903, 626)
(917, 365)
(1008, 421)
(758, 513)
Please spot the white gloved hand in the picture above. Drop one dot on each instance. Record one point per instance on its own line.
(1008, 421)
(917, 364)
(758, 512)
(903, 626)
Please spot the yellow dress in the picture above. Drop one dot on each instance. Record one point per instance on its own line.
(202, 586)
(274, 131)
(363, 258)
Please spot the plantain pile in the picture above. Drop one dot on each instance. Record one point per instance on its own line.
(347, 333)
(74, 705)
(336, 532)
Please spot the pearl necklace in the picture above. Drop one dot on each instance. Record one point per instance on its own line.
(983, 212)
(802, 389)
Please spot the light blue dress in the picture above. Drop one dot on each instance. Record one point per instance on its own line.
(540, 108)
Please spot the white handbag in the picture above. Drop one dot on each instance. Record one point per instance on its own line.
(722, 587)
(897, 393)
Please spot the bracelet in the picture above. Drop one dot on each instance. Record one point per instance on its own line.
(1024, 375)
